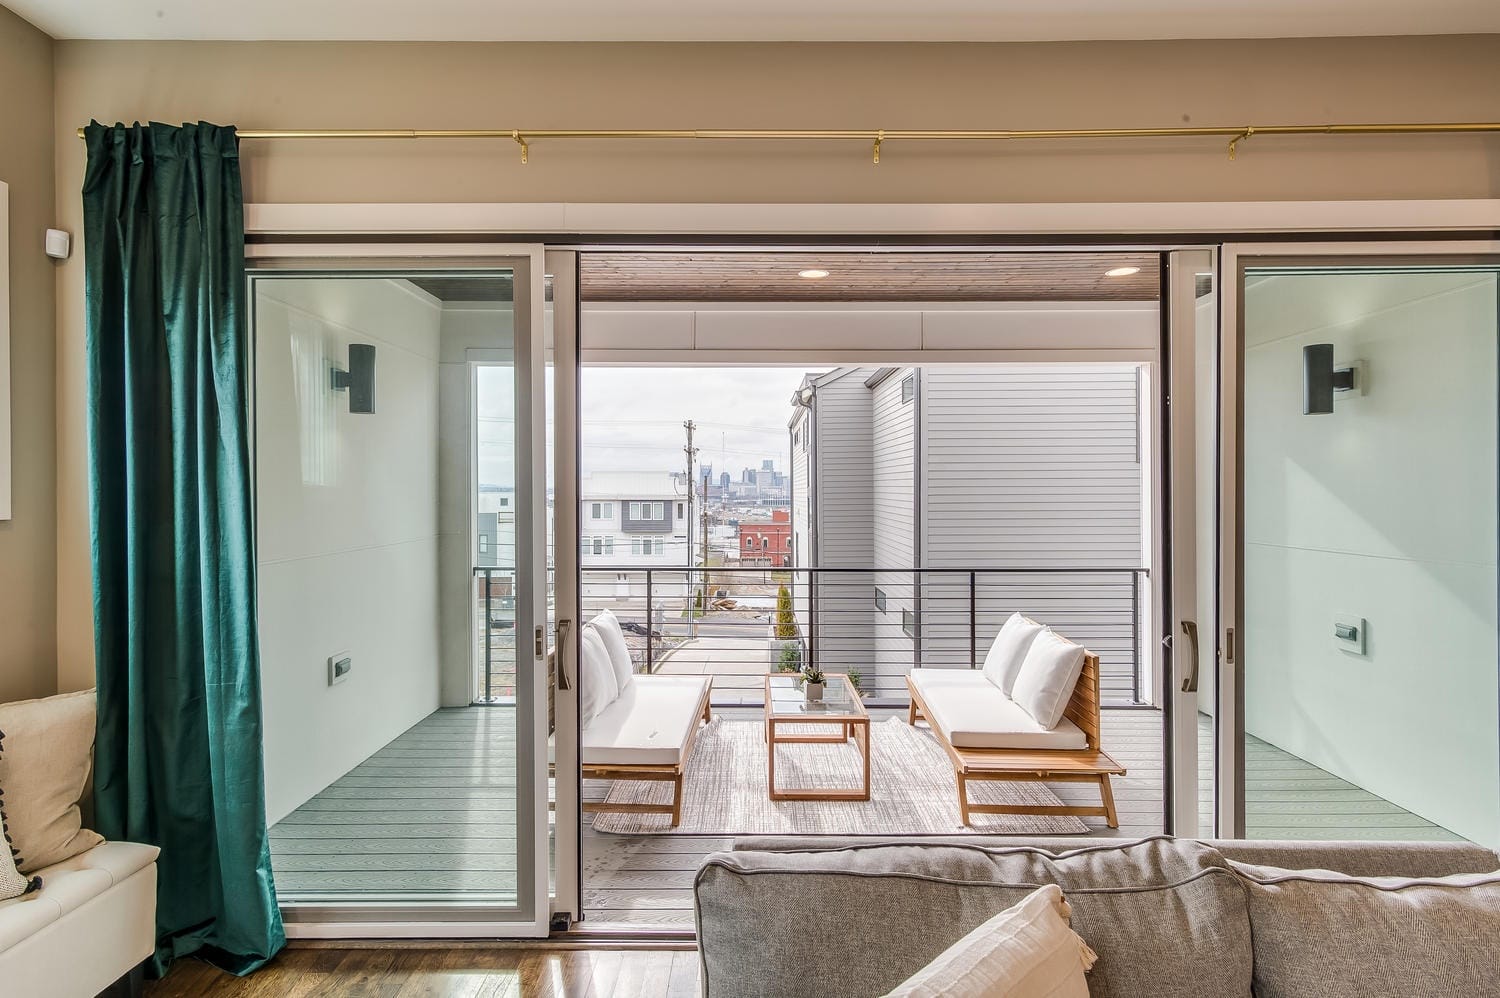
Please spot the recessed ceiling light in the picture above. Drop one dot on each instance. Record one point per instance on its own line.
(1122, 272)
(813, 274)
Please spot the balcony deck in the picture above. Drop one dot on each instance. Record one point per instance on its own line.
(431, 816)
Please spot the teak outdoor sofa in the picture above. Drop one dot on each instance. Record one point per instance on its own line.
(988, 736)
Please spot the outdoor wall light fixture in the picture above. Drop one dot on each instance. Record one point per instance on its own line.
(1321, 381)
(358, 380)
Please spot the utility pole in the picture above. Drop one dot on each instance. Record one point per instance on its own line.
(692, 454)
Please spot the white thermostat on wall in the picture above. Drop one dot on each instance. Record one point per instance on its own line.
(58, 244)
(340, 664)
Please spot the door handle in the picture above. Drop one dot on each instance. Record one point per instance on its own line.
(1190, 628)
(563, 627)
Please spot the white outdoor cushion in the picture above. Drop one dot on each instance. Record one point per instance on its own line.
(1003, 661)
(649, 725)
(1047, 677)
(972, 713)
(1026, 951)
(596, 676)
(614, 642)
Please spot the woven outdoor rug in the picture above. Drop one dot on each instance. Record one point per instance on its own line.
(911, 787)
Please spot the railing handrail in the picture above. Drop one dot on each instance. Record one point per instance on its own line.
(849, 569)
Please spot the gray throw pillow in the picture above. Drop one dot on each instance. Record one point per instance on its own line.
(1320, 934)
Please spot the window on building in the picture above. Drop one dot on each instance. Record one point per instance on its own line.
(749, 542)
(680, 513)
(908, 388)
(909, 623)
(484, 543)
(658, 511)
(635, 545)
(598, 545)
(609, 545)
(596, 511)
(646, 546)
(635, 511)
(765, 542)
(504, 501)
(880, 600)
(609, 511)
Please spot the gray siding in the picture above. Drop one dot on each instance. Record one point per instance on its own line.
(1034, 466)
(893, 441)
(845, 520)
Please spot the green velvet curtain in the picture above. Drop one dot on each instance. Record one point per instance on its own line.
(178, 762)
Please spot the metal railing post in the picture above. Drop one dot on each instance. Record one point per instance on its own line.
(488, 651)
(812, 619)
(973, 622)
(1135, 637)
(650, 628)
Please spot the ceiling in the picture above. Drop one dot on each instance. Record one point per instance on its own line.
(737, 20)
(865, 277)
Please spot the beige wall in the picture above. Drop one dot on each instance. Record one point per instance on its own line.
(1039, 85)
(28, 542)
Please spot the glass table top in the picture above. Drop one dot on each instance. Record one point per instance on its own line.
(785, 697)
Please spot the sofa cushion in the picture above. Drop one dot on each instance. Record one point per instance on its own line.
(1026, 951)
(648, 725)
(597, 688)
(46, 752)
(972, 713)
(1167, 918)
(1047, 677)
(1003, 661)
(1329, 935)
(619, 652)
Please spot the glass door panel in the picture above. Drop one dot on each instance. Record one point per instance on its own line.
(1368, 566)
(401, 576)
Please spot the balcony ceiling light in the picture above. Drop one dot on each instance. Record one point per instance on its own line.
(1122, 272)
(812, 274)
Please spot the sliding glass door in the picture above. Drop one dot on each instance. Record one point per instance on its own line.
(402, 516)
(1363, 695)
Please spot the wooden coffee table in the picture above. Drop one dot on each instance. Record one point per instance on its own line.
(787, 710)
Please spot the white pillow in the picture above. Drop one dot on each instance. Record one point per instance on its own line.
(619, 652)
(1047, 677)
(596, 676)
(1003, 661)
(1027, 951)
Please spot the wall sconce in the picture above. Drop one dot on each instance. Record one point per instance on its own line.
(1321, 381)
(358, 380)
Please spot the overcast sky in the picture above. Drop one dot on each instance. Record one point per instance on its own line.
(633, 416)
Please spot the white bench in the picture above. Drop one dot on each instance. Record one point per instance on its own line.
(645, 730)
(990, 736)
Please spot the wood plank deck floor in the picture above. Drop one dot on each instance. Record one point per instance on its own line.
(430, 816)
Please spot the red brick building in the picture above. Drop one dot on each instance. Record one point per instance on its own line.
(767, 542)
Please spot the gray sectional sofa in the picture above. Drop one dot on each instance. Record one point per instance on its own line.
(1168, 917)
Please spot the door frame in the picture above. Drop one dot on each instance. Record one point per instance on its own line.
(1235, 256)
(530, 917)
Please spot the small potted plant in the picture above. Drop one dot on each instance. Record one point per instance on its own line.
(812, 683)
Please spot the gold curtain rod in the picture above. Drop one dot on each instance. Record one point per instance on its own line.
(523, 137)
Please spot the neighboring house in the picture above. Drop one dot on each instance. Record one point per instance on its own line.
(970, 469)
(631, 520)
(767, 542)
(495, 527)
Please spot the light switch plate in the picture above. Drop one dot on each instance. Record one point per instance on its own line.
(1349, 633)
(340, 664)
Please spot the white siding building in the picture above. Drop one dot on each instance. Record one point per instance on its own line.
(631, 520)
(976, 469)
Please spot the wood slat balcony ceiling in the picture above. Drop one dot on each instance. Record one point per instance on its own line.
(866, 277)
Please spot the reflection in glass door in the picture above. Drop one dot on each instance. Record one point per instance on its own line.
(1368, 566)
(399, 516)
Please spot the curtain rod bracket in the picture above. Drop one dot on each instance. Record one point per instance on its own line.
(879, 138)
(525, 149)
(1235, 142)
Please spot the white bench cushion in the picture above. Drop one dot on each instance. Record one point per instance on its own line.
(68, 885)
(971, 713)
(649, 724)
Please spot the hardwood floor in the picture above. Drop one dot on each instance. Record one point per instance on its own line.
(448, 972)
